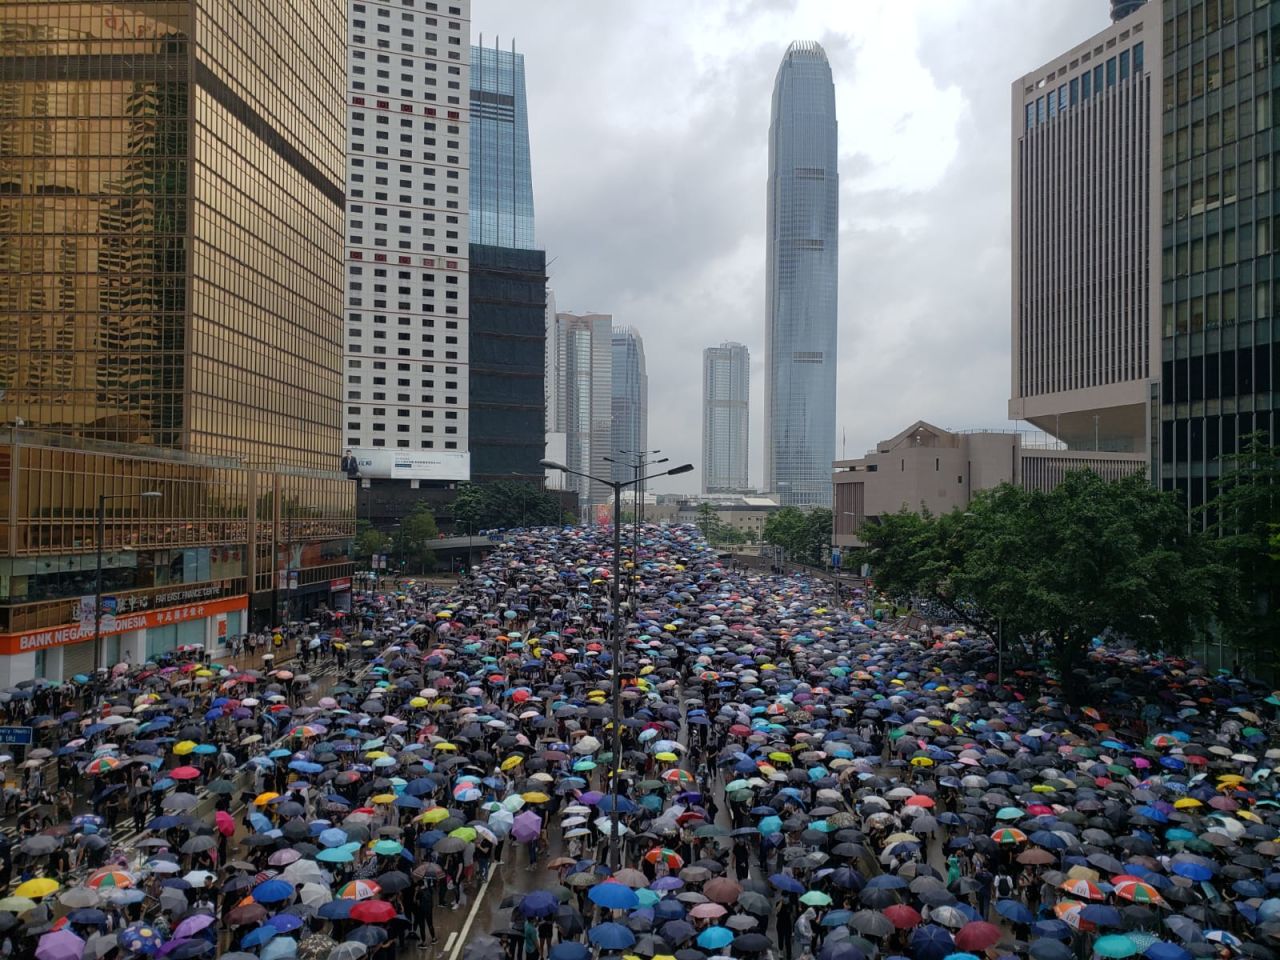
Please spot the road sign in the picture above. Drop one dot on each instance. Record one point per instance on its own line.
(16, 736)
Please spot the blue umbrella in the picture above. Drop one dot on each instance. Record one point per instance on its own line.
(272, 891)
(256, 938)
(770, 825)
(1163, 950)
(786, 884)
(1102, 914)
(665, 909)
(569, 950)
(612, 936)
(140, 938)
(285, 922)
(613, 896)
(339, 909)
(713, 938)
(625, 805)
(1015, 911)
(1050, 950)
(931, 942)
(540, 903)
(333, 837)
(1192, 870)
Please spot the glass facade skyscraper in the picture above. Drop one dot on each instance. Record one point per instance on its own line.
(1220, 344)
(630, 392)
(801, 279)
(501, 173)
(726, 392)
(170, 323)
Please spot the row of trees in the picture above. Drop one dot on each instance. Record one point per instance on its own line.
(804, 534)
(490, 506)
(1095, 558)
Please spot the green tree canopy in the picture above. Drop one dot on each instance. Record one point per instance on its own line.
(413, 541)
(1245, 516)
(504, 504)
(715, 530)
(1055, 570)
(804, 534)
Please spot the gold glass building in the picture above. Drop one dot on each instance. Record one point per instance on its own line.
(171, 214)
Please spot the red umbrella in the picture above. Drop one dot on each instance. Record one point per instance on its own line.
(978, 936)
(373, 911)
(184, 773)
(902, 916)
(225, 823)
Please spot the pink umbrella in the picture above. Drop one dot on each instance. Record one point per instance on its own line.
(225, 823)
(707, 911)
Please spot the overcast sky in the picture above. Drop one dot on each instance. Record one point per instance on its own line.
(649, 126)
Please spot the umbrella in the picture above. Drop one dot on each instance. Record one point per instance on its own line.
(60, 945)
(611, 936)
(613, 896)
(140, 938)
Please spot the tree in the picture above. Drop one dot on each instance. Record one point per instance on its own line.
(1054, 570)
(805, 535)
(715, 530)
(413, 542)
(504, 504)
(1245, 517)
(368, 542)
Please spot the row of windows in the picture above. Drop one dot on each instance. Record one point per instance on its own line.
(1229, 373)
(356, 441)
(1088, 85)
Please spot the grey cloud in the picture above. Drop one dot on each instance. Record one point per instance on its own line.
(650, 157)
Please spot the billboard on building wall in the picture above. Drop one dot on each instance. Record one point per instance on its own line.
(413, 465)
(604, 515)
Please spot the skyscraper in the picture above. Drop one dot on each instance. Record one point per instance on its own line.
(408, 142)
(801, 278)
(501, 174)
(726, 392)
(170, 326)
(585, 384)
(630, 404)
(1220, 343)
(508, 290)
(1082, 308)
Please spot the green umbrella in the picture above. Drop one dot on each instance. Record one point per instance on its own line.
(1010, 813)
(1114, 945)
(815, 898)
(388, 848)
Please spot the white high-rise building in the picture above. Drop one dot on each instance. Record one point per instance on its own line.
(726, 420)
(630, 389)
(408, 139)
(584, 380)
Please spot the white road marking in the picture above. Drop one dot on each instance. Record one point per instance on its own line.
(475, 908)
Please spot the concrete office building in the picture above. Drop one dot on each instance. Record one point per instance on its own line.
(726, 418)
(629, 387)
(1085, 162)
(801, 270)
(584, 379)
(170, 327)
(405, 395)
(927, 468)
(1219, 348)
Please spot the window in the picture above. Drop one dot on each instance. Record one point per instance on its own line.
(1124, 64)
(1111, 71)
(1137, 58)
(1084, 86)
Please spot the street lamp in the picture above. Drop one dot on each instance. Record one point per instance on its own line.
(97, 579)
(615, 628)
(835, 566)
(637, 466)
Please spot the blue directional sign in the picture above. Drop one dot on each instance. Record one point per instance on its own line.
(16, 736)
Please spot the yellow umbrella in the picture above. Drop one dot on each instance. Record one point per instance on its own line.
(447, 747)
(204, 673)
(1187, 803)
(511, 763)
(418, 702)
(376, 754)
(535, 796)
(183, 747)
(37, 888)
(780, 757)
(263, 799)
(921, 762)
(434, 815)
(384, 798)
(666, 756)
